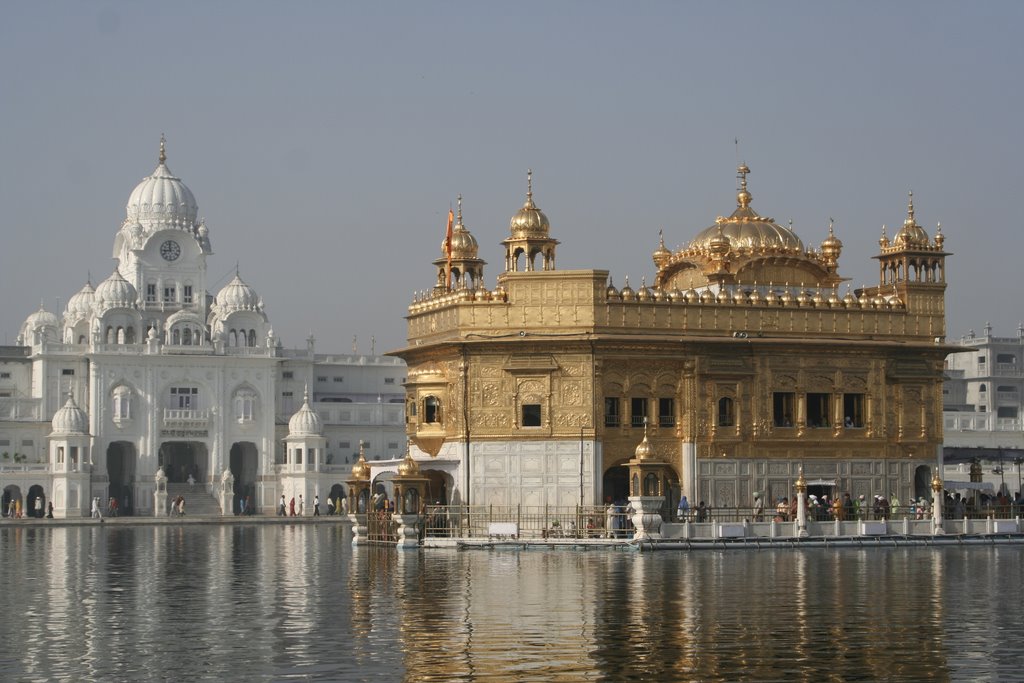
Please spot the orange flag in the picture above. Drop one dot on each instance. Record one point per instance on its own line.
(448, 246)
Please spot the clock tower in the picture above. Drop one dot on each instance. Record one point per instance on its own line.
(162, 247)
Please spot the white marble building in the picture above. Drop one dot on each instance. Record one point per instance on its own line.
(147, 370)
(983, 409)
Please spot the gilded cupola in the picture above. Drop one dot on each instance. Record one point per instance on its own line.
(361, 470)
(529, 221)
(460, 267)
(911, 234)
(529, 245)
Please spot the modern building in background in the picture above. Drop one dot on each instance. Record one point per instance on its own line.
(146, 371)
(741, 358)
(983, 406)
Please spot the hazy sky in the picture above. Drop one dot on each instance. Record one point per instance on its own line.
(324, 141)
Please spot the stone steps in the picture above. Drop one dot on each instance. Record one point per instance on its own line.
(198, 502)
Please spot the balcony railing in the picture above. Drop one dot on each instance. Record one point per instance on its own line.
(21, 409)
(181, 417)
(980, 422)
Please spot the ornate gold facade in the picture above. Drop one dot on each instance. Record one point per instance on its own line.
(744, 358)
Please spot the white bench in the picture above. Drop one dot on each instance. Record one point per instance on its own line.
(502, 530)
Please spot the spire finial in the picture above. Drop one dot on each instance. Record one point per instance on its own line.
(88, 279)
(661, 238)
(830, 222)
(459, 216)
(743, 196)
(237, 274)
(529, 184)
(163, 148)
(910, 208)
(305, 394)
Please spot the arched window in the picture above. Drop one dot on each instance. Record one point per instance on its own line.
(245, 405)
(122, 406)
(252, 338)
(431, 410)
(175, 337)
(186, 336)
(726, 412)
(982, 388)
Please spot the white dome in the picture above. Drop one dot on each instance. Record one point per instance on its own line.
(41, 318)
(237, 296)
(161, 200)
(80, 305)
(70, 419)
(305, 422)
(115, 292)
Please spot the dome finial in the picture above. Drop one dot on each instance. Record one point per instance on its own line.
(305, 394)
(459, 215)
(743, 197)
(910, 208)
(661, 238)
(163, 148)
(529, 190)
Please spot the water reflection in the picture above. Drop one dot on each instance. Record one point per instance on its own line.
(298, 602)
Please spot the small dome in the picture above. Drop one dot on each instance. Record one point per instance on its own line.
(305, 422)
(627, 292)
(361, 470)
(70, 419)
(644, 293)
(408, 467)
(644, 451)
(661, 254)
(611, 292)
(115, 292)
(80, 304)
(529, 221)
(911, 234)
(161, 200)
(237, 296)
(41, 318)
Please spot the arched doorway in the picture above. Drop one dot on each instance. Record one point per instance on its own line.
(183, 458)
(923, 482)
(438, 485)
(32, 509)
(337, 493)
(615, 483)
(121, 474)
(245, 465)
(12, 494)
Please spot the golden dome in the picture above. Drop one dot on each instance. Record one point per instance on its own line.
(832, 246)
(627, 292)
(911, 234)
(529, 221)
(611, 292)
(644, 451)
(745, 228)
(408, 466)
(644, 293)
(361, 470)
(464, 245)
(661, 254)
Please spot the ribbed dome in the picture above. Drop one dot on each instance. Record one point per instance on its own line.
(41, 318)
(408, 467)
(237, 296)
(644, 451)
(80, 304)
(911, 234)
(529, 221)
(361, 470)
(115, 292)
(745, 228)
(305, 422)
(464, 245)
(161, 200)
(70, 419)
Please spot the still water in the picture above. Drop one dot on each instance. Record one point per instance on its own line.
(269, 603)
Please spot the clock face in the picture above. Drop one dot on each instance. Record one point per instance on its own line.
(170, 250)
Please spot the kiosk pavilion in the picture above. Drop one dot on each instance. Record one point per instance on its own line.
(744, 359)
